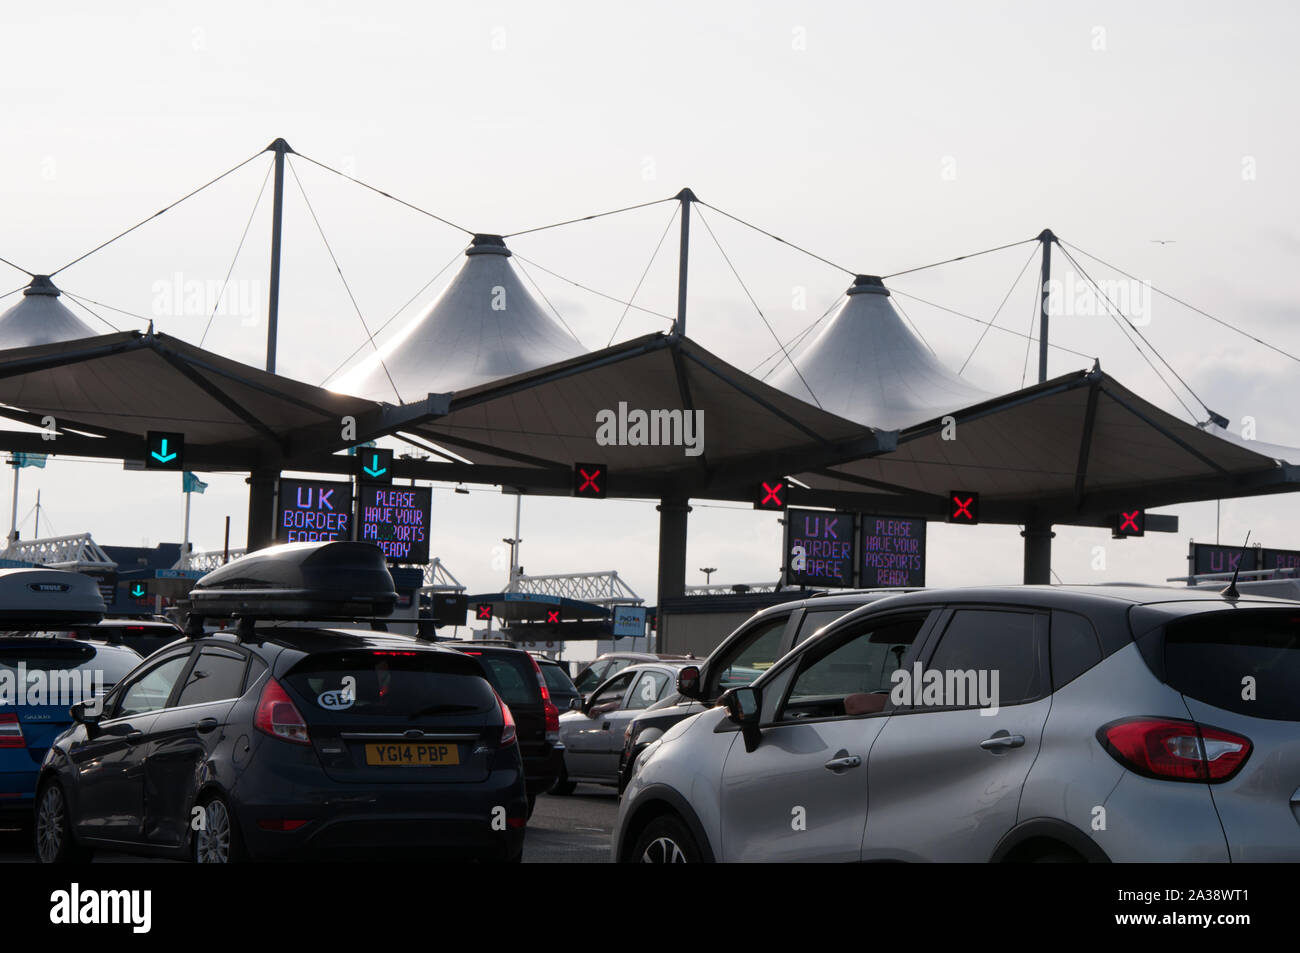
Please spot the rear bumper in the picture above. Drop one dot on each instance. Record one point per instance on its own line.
(479, 820)
(18, 792)
(542, 765)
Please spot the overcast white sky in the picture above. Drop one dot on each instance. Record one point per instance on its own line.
(881, 136)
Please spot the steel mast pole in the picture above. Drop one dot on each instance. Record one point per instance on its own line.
(1038, 528)
(280, 148)
(686, 197)
(262, 480)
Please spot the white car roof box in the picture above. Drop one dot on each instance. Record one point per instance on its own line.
(333, 580)
(33, 598)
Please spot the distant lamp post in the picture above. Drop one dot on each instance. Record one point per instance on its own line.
(708, 572)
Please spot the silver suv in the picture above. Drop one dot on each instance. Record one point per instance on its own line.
(1000, 724)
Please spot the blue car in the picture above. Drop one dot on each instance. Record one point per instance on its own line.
(41, 677)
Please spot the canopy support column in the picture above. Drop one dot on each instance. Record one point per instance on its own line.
(672, 548)
(261, 508)
(1038, 551)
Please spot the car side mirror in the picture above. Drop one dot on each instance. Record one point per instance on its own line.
(82, 716)
(575, 703)
(743, 707)
(688, 681)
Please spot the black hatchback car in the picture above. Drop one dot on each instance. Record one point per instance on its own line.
(275, 742)
(518, 679)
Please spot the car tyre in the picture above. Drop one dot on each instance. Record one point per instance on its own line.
(218, 841)
(666, 840)
(563, 786)
(52, 832)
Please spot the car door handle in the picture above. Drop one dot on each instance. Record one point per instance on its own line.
(1002, 740)
(839, 764)
(206, 725)
(134, 737)
(605, 727)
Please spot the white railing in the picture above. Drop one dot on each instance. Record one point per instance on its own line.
(599, 588)
(438, 578)
(727, 589)
(60, 552)
(207, 561)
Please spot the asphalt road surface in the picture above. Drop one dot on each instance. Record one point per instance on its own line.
(563, 830)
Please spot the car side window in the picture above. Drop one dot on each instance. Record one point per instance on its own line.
(610, 695)
(751, 656)
(852, 674)
(814, 620)
(217, 675)
(1075, 648)
(591, 677)
(649, 688)
(980, 646)
(150, 691)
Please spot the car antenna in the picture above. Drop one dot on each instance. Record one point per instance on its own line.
(1231, 593)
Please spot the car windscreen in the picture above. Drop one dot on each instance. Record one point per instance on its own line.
(51, 655)
(367, 683)
(1244, 661)
(557, 680)
(513, 676)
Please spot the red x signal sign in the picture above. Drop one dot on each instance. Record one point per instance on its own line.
(589, 480)
(484, 610)
(1130, 523)
(963, 507)
(552, 615)
(770, 495)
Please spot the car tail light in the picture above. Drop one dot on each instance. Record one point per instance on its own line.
(548, 706)
(508, 723)
(1175, 750)
(280, 824)
(278, 716)
(11, 733)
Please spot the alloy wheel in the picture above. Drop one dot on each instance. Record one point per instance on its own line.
(663, 850)
(212, 842)
(49, 825)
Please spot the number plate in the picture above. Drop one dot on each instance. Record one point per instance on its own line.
(406, 754)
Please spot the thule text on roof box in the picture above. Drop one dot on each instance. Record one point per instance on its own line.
(37, 598)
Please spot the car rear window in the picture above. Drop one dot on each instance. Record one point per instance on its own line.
(1244, 661)
(49, 655)
(556, 679)
(513, 677)
(388, 684)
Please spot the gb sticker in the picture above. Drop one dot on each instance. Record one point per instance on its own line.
(341, 698)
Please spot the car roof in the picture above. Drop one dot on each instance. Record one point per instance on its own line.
(99, 644)
(1073, 596)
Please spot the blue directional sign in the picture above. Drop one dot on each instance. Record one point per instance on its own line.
(138, 590)
(375, 465)
(164, 451)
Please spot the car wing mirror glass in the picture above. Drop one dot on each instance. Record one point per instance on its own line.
(688, 681)
(575, 703)
(743, 707)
